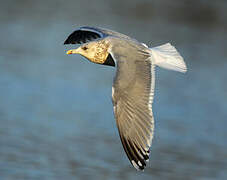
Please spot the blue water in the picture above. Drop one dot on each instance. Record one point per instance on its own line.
(56, 114)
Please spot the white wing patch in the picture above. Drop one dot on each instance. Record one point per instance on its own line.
(135, 165)
(144, 45)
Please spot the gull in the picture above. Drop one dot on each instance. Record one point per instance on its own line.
(134, 82)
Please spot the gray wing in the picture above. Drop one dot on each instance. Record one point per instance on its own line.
(86, 34)
(132, 96)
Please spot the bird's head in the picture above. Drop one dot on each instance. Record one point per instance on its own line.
(95, 51)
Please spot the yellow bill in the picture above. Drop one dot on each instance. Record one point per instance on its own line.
(72, 51)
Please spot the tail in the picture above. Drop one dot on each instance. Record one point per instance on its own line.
(166, 56)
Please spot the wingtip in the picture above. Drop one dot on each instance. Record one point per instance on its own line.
(66, 41)
(138, 166)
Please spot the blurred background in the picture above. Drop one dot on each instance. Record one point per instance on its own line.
(56, 114)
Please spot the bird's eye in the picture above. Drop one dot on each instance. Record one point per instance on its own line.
(84, 48)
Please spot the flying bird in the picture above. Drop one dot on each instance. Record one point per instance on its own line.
(134, 82)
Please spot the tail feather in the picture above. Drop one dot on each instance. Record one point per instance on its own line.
(166, 56)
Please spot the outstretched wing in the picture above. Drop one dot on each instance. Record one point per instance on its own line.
(132, 96)
(86, 34)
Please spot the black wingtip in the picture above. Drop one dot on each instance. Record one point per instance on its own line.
(81, 36)
(135, 157)
(69, 41)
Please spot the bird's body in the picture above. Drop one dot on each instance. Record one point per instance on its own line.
(133, 87)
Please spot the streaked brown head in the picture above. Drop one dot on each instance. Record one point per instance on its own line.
(95, 51)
